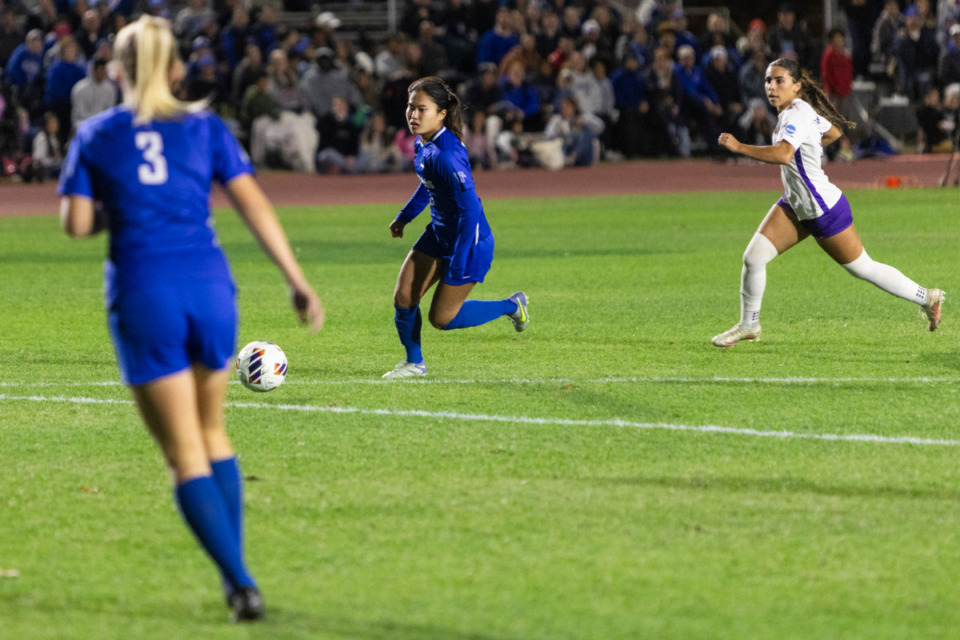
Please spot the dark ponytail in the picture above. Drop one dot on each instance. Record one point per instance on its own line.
(812, 92)
(445, 99)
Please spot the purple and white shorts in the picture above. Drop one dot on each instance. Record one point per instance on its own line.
(833, 221)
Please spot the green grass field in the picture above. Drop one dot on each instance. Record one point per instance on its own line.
(607, 474)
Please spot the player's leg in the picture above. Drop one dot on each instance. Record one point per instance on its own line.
(246, 603)
(848, 251)
(169, 407)
(418, 273)
(778, 232)
(211, 395)
(450, 308)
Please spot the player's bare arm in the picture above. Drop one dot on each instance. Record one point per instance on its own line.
(781, 153)
(79, 217)
(831, 136)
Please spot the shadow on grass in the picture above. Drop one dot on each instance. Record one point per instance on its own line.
(323, 626)
(946, 359)
(783, 486)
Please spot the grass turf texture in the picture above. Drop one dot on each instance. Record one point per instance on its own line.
(411, 527)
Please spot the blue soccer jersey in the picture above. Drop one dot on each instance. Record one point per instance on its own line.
(169, 292)
(154, 181)
(458, 228)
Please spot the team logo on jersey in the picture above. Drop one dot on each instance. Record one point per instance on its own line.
(463, 176)
(790, 129)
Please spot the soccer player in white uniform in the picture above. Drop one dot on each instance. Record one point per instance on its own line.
(810, 204)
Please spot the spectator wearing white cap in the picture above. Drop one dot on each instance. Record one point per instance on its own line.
(722, 76)
(700, 102)
(589, 38)
(948, 69)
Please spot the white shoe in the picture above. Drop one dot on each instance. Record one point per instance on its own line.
(406, 370)
(931, 310)
(735, 334)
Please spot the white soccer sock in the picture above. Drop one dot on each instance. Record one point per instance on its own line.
(753, 278)
(887, 278)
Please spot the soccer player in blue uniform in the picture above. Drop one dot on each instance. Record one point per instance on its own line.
(456, 248)
(149, 163)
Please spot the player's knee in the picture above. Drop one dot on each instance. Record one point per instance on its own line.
(759, 252)
(440, 319)
(860, 267)
(404, 299)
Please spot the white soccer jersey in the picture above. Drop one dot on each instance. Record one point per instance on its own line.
(806, 186)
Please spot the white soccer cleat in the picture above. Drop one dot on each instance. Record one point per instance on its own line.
(931, 311)
(737, 333)
(406, 370)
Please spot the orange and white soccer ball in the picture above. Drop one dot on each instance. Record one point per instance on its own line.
(261, 366)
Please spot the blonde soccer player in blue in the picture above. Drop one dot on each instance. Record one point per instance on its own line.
(170, 297)
(810, 206)
(456, 248)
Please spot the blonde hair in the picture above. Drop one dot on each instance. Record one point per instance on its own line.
(146, 51)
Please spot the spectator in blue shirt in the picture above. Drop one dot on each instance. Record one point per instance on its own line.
(520, 101)
(917, 54)
(700, 103)
(684, 36)
(26, 61)
(495, 43)
(630, 99)
(234, 36)
(61, 76)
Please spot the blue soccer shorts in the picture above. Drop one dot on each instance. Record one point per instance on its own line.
(479, 257)
(163, 329)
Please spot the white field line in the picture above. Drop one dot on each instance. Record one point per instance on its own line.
(526, 420)
(788, 380)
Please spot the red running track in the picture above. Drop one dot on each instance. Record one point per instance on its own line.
(668, 176)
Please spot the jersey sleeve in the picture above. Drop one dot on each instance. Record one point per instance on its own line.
(417, 203)
(229, 158)
(823, 125)
(795, 128)
(453, 167)
(75, 174)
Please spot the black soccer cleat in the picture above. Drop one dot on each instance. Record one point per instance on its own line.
(247, 605)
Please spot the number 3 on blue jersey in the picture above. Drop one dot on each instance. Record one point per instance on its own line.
(154, 171)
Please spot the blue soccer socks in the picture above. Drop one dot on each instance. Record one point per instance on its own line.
(204, 510)
(226, 474)
(409, 322)
(476, 312)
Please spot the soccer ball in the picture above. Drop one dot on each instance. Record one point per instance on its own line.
(261, 366)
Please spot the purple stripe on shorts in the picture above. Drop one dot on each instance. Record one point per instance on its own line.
(806, 181)
(832, 222)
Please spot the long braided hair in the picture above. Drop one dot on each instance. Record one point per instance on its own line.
(446, 100)
(812, 92)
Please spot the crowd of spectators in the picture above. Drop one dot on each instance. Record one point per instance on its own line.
(544, 82)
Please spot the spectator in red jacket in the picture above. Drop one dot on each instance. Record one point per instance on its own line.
(836, 71)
